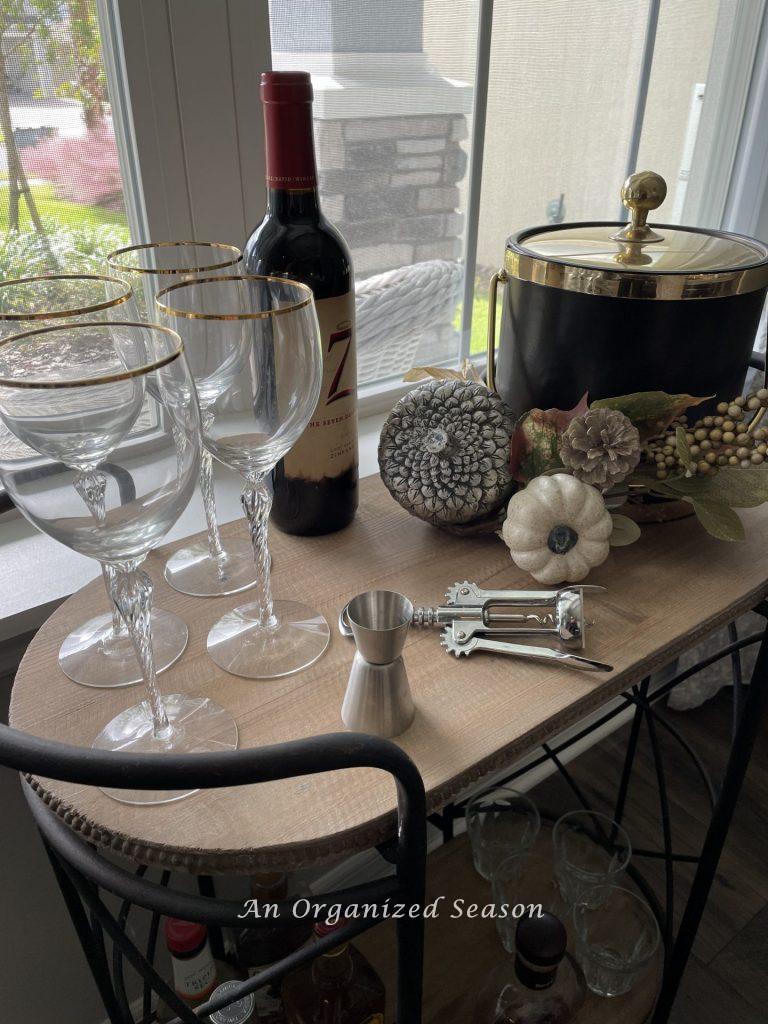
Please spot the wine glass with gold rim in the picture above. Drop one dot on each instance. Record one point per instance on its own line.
(98, 653)
(208, 568)
(254, 348)
(73, 395)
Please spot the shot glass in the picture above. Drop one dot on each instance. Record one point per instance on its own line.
(614, 942)
(500, 823)
(591, 852)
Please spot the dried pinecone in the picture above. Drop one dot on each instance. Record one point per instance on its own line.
(602, 447)
(444, 451)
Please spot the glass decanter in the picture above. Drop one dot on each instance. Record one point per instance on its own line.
(542, 984)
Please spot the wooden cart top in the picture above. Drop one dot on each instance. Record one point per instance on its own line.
(475, 714)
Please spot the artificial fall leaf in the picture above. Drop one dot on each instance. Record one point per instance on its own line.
(719, 519)
(616, 496)
(650, 411)
(535, 445)
(468, 371)
(733, 485)
(471, 372)
(683, 449)
(434, 372)
(625, 531)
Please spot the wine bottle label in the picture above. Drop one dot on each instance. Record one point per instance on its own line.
(376, 1018)
(328, 446)
(195, 978)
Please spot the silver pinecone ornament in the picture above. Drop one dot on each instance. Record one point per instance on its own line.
(444, 451)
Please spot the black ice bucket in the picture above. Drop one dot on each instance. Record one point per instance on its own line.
(613, 309)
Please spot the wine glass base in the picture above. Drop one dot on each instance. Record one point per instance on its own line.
(92, 656)
(239, 644)
(193, 571)
(198, 726)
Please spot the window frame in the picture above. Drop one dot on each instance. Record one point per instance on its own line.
(182, 62)
(122, 116)
(166, 60)
(731, 144)
(164, 57)
(746, 203)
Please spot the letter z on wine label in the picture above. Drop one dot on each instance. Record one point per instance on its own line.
(328, 446)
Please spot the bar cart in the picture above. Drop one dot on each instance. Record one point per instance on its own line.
(322, 794)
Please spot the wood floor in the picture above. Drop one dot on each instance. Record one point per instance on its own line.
(727, 978)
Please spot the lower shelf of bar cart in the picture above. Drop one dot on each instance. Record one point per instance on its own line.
(460, 952)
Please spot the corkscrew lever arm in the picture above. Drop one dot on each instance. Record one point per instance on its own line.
(521, 651)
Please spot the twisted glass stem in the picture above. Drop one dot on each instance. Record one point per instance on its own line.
(209, 504)
(206, 488)
(132, 592)
(92, 487)
(257, 501)
(206, 485)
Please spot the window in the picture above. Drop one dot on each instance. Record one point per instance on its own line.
(443, 126)
(394, 94)
(61, 188)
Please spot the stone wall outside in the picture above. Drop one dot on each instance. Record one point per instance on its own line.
(390, 185)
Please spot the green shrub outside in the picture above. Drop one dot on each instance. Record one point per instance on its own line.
(73, 248)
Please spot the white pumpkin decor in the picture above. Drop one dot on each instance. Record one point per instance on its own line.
(557, 528)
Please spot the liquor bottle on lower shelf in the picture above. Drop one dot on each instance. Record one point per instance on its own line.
(194, 971)
(339, 987)
(315, 485)
(191, 959)
(542, 985)
(269, 939)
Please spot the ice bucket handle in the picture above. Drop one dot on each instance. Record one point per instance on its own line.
(500, 277)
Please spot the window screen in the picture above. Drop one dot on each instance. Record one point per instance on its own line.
(394, 88)
(567, 106)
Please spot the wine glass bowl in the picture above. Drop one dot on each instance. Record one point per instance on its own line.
(60, 422)
(99, 652)
(29, 302)
(139, 485)
(79, 422)
(207, 568)
(152, 266)
(244, 357)
(254, 349)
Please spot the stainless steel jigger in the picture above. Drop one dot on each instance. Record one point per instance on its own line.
(378, 698)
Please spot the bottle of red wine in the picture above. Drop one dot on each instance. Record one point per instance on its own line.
(315, 485)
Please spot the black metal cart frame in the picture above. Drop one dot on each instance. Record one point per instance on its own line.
(749, 707)
(83, 873)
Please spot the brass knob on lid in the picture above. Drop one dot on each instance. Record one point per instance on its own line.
(641, 193)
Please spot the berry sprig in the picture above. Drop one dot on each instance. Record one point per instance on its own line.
(732, 437)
